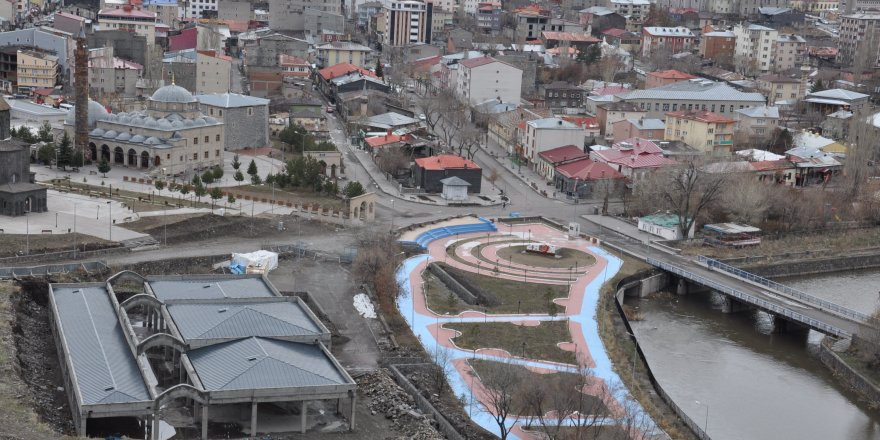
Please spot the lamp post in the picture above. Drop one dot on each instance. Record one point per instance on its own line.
(27, 225)
(110, 220)
(74, 231)
(392, 215)
(165, 225)
(706, 422)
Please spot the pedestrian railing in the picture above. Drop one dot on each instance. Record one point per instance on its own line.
(786, 290)
(751, 299)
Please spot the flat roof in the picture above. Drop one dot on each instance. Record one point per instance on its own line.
(99, 357)
(35, 109)
(731, 228)
(260, 363)
(278, 317)
(209, 288)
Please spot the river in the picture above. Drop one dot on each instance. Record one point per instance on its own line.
(730, 374)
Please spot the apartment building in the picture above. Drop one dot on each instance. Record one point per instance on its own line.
(407, 22)
(131, 19)
(202, 71)
(483, 79)
(36, 70)
(109, 74)
(489, 16)
(289, 15)
(674, 39)
(706, 131)
(718, 46)
(546, 134)
(335, 52)
(789, 52)
(634, 11)
(781, 89)
(695, 94)
(754, 48)
(858, 33)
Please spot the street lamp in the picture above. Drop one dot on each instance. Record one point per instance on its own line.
(392, 215)
(27, 225)
(110, 222)
(74, 231)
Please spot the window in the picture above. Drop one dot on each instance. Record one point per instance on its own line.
(218, 138)
(221, 112)
(196, 140)
(722, 108)
(216, 153)
(207, 139)
(674, 107)
(181, 158)
(206, 155)
(195, 156)
(168, 156)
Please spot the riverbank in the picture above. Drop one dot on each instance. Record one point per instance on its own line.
(621, 349)
(852, 371)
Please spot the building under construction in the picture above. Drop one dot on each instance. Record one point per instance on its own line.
(145, 351)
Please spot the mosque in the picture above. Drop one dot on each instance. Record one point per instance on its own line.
(171, 137)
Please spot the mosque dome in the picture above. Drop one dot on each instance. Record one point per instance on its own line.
(150, 123)
(97, 112)
(97, 132)
(164, 124)
(110, 134)
(210, 120)
(176, 124)
(153, 140)
(199, 122)
(172, 93)
(137, 138)
(124, 136)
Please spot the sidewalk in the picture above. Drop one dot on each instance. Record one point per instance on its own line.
(614, 224)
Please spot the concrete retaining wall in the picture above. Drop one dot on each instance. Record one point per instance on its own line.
(815, 266)
(847, 374)
(424, 405)
(453, 285)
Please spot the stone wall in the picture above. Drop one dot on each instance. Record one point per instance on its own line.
(849, 376)
(126, 45)
(246, 131)
(815, 266)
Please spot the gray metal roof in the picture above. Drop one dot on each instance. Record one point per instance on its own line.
(219, 320)
(390, 119)
(454, 181)
(210, 288)
(100, 359)
(231, 100)
(255, 363)
(694, 90)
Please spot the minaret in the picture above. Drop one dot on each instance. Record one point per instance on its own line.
(81, 94)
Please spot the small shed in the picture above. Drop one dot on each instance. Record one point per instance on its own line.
(663, 225)
(455, 188)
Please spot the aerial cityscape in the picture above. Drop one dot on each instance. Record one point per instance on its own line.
(440, 219)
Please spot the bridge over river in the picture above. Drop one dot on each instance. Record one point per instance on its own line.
(741, 287)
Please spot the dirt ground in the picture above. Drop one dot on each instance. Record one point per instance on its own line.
(15, 244)
(189, 228)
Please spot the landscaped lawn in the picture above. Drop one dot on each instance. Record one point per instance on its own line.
(537, 342)
(442, 300)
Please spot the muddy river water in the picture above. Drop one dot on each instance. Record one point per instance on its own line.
(729, 373)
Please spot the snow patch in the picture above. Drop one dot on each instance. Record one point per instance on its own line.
(364, 306)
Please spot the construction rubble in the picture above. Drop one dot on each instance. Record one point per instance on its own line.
(388, 399)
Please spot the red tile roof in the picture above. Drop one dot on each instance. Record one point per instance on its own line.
(388, 139)
(445, 162)
(586, 169)
(614, 32)
(702, 116)
(470, 63)
(340, 69)
(562, 154)
(671, 74)
(771, 165)
(643, 161)
(638, 145)
(215, 54)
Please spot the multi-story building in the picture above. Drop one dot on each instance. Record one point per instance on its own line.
(407, 21)
(489, 16)
(754, 48)
(674, 39)
(288, 15)
(198, 8)
(703, 130)
(789, 52)
(109, 74)
(645, 128)
(661, 78)
(858, 34)
(483, 79)
(634, 11)
(367, 10)
(600, 18)
(530, 22)
(781, 89)
(546, 134)
(609, 113)
(167, 11)
(563, 95)
(751, 8)
(129, 18)
(204, 71)
(235, 10)
(36, 70)
(821, 7)
(295, 67)
(718, 46)
(757, 122)
(695, 94)
(330, 54)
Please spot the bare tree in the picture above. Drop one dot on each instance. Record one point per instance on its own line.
(862, 140)
(375, 264)
(433, 109)
(610, 65)
(749, 202)
(647, 194)
(500, 382)
(442, 357)
(466, 141)
(689, 191)
(393, 159)
(563, 406)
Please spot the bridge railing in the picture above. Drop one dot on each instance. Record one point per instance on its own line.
(782, 288)
(766, 305)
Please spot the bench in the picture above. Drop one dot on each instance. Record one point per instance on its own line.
(93, 173)
(47, 231)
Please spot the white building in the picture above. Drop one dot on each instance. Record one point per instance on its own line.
(663, 225)
(754, 48)
(407, 21)
(546, 134)
(195, 7)
(131, 19)
(485, 78)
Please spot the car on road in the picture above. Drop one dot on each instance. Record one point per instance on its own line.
(329, 109)
(422, 117)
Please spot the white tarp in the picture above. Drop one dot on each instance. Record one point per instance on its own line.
(265, 260)
(364, 306)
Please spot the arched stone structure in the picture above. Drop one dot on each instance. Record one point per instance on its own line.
(118, 156)
(132, 157)
(362, 207)
(105, 153)
(145, 159)
(93, 151)
(161, 340)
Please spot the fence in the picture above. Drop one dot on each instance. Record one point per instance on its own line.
(782, 288)
(63, 255)
(442, 424)
(742, 296)
(49, 269)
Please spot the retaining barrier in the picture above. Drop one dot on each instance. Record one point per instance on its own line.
(782, 288)
(442, 424)
(50, 269)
